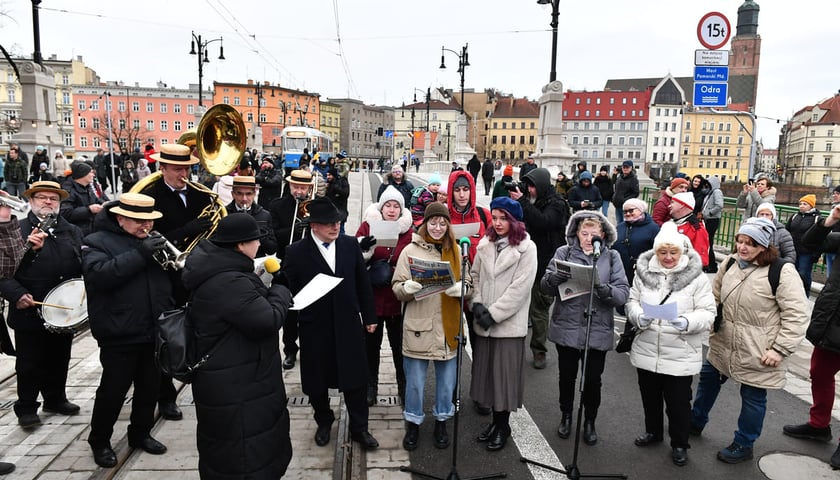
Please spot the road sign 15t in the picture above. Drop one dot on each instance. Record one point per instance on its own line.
(713, 30)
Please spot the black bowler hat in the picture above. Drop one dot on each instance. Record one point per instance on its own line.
(322, 210)
(237, 228)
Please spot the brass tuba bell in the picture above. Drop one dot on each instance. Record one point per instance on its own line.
(220, 139)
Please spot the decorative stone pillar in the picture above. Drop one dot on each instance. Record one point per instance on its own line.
(552, 150)
(37, 84)
(463, 151)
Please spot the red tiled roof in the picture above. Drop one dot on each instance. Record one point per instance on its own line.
(507, 107)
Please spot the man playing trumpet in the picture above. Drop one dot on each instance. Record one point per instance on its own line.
(181, 206)
(244, 192)
(53, 256)
(127, 291)
(289, 216)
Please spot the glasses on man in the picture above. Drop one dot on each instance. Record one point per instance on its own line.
(629, 211)
(46, 198)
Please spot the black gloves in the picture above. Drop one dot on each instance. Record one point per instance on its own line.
(482, 316)
(199, 225)
(283, 292)
(366, 242)
(603, 292)
(557, 277)
(300, 227)
(152, 244)
(279, 278)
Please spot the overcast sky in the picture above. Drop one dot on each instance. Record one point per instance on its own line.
(389, 48)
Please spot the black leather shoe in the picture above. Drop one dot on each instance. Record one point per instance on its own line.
(149, 445)
(365, 439)
(487, 434)
(322, 434)
(835, 459)
(441, 435)
(807, 432)
(680, 456)
(29, 420)
(63, 408)
(289, 362)
(499, 440)
(590, 436)
(565, 428)
(105, 457)
(412, 434)
(170, 411)
(647, 439)
(6, 468)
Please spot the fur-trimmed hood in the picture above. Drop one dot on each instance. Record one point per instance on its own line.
(373, 213)
(678, 279)
(610, 234)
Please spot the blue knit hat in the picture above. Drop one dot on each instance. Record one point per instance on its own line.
(434, 179)
(508, 204)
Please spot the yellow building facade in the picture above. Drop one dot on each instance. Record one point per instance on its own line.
(716, 144)
(331, 123)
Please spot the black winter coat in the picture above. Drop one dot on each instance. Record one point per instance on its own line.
(283, 210)
(332, 330)
(824, 329)
(338, 191)
(545, 219)
(405, 187)
(798, 224)
(634, 239)
(175, 214)
(39, 272)
(605, 186)
(76, 207)
(579, 193)
(270, 181)
(625, 188)
(268, 242)
(240, 398)
(126, 289)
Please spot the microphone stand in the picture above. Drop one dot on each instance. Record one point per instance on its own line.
(572, 472)
(453, 472)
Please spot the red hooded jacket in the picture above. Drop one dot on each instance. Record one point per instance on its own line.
(470, 215)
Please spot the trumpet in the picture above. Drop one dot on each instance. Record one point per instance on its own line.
(170, 258)
(15, 203)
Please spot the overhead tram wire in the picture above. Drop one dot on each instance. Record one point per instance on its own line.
(341, 53)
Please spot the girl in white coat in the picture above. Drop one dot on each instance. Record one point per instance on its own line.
(503, 271)
(667, 352)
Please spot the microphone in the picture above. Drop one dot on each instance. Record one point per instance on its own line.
(465, 246)
(271, 265)
(596, 244)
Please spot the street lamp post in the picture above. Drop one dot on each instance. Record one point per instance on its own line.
(203, 58)
(555, 20)
(463, 62)
(428, 99)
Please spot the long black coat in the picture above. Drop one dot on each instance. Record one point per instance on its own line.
(126, 289)
(268, 242)
(332, 341)
(39, 272)
(76, 207)
(283, 211)
(175, 214)
(240, 398)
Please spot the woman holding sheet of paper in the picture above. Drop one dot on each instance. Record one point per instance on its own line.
(568, 320)
(672, 304)
(430, 325)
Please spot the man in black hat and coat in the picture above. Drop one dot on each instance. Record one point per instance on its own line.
(244, 190)
(332, 340)
(82, 204)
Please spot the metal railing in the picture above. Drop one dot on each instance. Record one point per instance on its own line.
(730, 221)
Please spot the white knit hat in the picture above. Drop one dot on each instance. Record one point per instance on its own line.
(685, 198)
(767, 206)
(391, 193)
(668, 235)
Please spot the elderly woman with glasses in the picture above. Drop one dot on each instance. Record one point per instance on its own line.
(635, 236)
(760, 328)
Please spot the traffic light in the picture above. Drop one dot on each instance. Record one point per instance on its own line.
(379, 131)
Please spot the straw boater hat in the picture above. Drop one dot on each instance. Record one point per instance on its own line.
(46, 186)
(175, 154)
(137, 206)
(301, 177)
(244, 181)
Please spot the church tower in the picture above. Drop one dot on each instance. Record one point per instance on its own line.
(746, 45)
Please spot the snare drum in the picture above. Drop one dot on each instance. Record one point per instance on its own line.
(70, 293)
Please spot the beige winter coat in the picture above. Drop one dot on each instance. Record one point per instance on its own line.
(754, 322)
(502, 282)
(423, 336)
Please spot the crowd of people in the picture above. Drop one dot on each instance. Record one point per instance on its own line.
(523, 268)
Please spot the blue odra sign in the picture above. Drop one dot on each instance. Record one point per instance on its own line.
(709, 94)
(711, 74)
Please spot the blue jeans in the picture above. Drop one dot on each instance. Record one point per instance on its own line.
(415, 380)
(753, 405)
(804, 266)
(829, 260)
(605, 208)
(15, 189)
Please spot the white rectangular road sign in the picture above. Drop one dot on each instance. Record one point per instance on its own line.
(711, 57)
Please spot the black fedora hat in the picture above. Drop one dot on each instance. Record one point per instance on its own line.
(236, 228)
(322, 210)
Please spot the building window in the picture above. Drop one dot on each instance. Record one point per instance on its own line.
(83, 142)
(176, 125)
(521, 140)
(656, 127)
(594, 140)
(810, 146)
(97, 142)
(190, 108)
(95, 123)
(655, 141)
(81, 104)
(176, 108)
(575, 140)
(688, 125)
(609, 139)
(150, 125)
(94, 105)
(504, 125)
(828, 147)
(121, 123)
(82, 122)
(163, 108)
(577, 101)
(65, 98)
(135, 106)
(809, 160)
(135, 124)
(236, 100)
(494, 140)
(827, 161)
(164, 126)
(190, 124)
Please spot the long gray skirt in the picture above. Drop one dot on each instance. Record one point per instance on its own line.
(497, 378)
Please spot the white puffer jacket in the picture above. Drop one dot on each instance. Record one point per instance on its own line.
(659, 347)
(502, 282)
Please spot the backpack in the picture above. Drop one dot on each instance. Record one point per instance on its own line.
(773, 276)
(175, 353)
(415, 195)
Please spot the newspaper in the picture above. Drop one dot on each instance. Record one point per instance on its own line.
(578, 284)
(432, 275)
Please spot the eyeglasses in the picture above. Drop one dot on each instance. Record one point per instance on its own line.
(629, 211)
(46, 198)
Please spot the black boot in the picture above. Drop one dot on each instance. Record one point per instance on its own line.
(565, 428)
(502, 422)
(412, 434)
(590, 436)
(441, 436)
